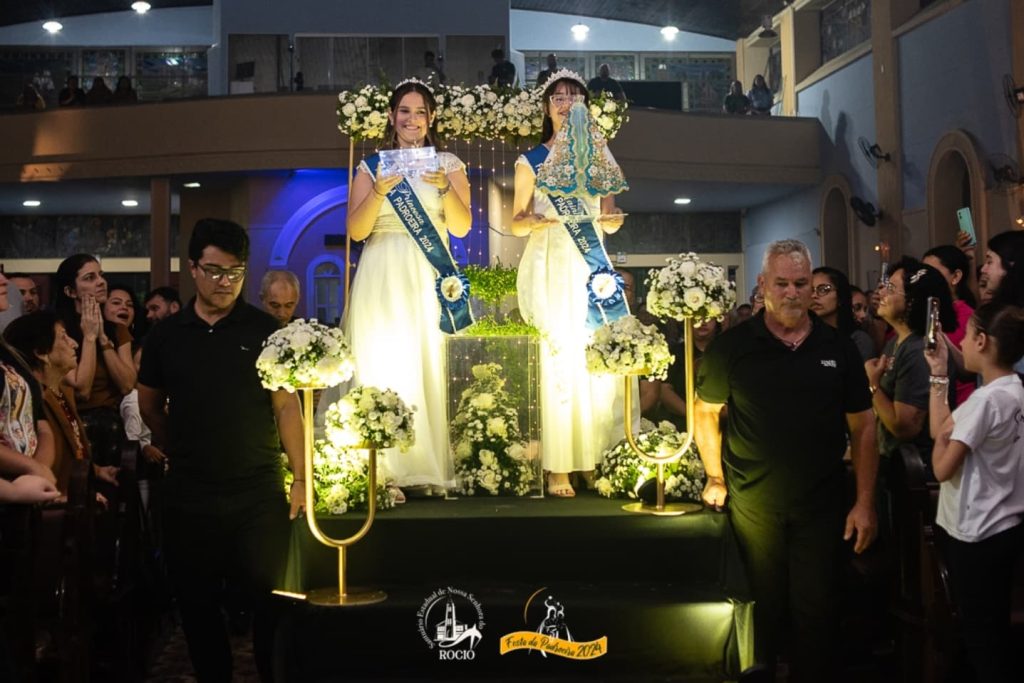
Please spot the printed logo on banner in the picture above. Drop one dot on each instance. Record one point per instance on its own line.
(551, 635)
(451, 621)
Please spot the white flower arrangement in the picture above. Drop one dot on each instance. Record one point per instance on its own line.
(608, 113)
(489, 454)
(689, 288)
(341, 482)
(305, 354)
(627, 347)
(470, 112)
(371, 417)
(622, 472)
(363, 113)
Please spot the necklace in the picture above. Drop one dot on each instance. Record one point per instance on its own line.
(792, 345)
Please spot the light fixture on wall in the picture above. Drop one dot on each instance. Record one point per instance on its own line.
(580, 31)
(192, 185)
(767, 31)
(52, 26)
(682, 201)
(669, 32)
(872, 152)
(141, 7)
(129, 203)
(31, 203)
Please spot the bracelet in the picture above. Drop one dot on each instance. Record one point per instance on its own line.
(938, 380)
(446, 190)
(872, 389)
(109, 346)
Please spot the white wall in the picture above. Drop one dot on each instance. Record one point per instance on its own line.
(549, 31)
(844, 102)
(178, 26)
(951, 72)
(795, 217)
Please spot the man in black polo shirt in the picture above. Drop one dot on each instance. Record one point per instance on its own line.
(795, 391)
(226, 514)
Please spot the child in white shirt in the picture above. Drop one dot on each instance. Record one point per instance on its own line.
(979, 458)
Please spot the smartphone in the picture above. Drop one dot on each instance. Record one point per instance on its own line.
(883, 275)
(931, 338)
(967, 223)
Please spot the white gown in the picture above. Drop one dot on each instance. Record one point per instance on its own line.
(392, 321)
(581, 413)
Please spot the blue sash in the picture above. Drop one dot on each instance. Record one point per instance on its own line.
(605, 296)
(451, 286)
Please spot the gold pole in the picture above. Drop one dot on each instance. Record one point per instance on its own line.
(660, 507)
(341, 597)
(348, 239)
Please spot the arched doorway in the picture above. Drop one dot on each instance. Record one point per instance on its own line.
(955, 180)
(835, 226)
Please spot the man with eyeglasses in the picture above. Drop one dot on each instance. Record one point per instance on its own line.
(796, 391)
(225, 513)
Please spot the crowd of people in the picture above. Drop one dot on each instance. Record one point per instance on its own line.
(810, 371)
(72, 94)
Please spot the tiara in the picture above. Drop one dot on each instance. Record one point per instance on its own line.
(413, 80)
(560, 75)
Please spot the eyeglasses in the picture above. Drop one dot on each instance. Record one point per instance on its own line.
(890, 288)
(215, 273)
(822, 290)
(561, 100)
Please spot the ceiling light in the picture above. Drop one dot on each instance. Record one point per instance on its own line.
(141, 7)
(579, 31)
(192, 184)
(129, 203)
(53, 26)
(31, 203)
(669, 32)
(682, 201)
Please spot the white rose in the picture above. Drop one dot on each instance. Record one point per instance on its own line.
(463, 450)
(595, 110)
(361, 101)
(348, 109)
(605, 122)
(687, 268)
(483, 401)
(467, 100)
(496, 427)
(486, 457)
(609, 106)
(694, 297)
(489, 480)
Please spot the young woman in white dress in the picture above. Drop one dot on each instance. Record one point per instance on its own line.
(392, 318)
(581, 414)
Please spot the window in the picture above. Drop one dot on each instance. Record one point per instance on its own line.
(324, 284)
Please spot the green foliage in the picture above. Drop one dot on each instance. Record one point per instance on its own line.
(489, 327)
(491, 284)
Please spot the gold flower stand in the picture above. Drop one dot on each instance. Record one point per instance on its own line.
(342, 596)
(661, 508)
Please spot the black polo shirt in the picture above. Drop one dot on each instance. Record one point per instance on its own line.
(222, 433)
(786, 431)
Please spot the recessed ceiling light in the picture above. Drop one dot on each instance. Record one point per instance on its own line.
(669, 32)
(580, 31)
(192, 184)
(52, 26)
(141, 7)
(31, 203)
(682, 201)
(129, 203)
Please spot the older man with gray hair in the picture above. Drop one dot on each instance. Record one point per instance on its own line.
(279, 293)
(796, 394)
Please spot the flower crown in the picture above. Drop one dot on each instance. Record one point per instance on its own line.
(562, 74)
(413, 80)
